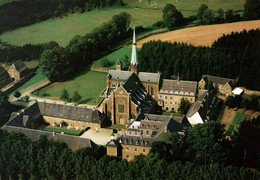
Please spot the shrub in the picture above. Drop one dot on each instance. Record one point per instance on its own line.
(105, 62)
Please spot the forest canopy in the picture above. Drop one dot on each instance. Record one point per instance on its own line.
(231, 56)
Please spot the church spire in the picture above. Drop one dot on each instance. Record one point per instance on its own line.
(134, 61)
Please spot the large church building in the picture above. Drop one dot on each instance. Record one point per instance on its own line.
(128, 93)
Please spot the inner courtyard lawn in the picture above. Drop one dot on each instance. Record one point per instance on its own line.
(89, 84)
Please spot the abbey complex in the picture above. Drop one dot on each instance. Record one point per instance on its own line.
(133, 99)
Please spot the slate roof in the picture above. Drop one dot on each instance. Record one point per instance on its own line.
(4, 77)
(138, 93)
(19, 66)
(118, 62)
(184, 88)
(39, 109)
(149, 77)
(70, 112)
(203, 105)
(143, 76)
(137, 141)
(73, 142)
(119, 75)
(113, 142)
(219, 80)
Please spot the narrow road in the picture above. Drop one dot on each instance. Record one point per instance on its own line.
(30, 89)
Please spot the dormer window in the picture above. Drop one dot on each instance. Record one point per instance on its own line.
(146, 143)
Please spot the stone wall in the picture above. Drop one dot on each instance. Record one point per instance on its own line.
(112, 151)
(72, 124)
(130, 151)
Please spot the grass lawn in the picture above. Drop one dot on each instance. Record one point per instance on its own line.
(89, 84)
(59, 130)
(171, 114)
(232, 129)
(114, 56)
(239, 118)
(36, 78)
(62, 30)
(118, 126)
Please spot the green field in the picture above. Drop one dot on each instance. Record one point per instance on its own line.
(62, 30)
(114, 56)
(239, 118)
(89, 84)
(36, 78)
(232, 129)
(6, 1)
(188, 5)
(59, 130)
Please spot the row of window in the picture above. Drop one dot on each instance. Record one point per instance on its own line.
(127, 149)
(176, 98)
(146, 133)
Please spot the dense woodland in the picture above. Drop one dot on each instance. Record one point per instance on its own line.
(25, 12)
(83, 50)
(204, 154)
(231, 56)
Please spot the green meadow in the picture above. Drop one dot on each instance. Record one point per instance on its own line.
(188, 6)
(62, 30)
(114, 56)
(6, 1)
(89, 84)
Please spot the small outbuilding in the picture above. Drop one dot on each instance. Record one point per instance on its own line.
(18, 70)
(237, 91)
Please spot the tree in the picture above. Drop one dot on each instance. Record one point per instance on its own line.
(247, 143)
(184, 106)
(3, 102)
(208, 16)
(206, 142)
(17, 94)
(252, 9)
(200, 12)
(64, 95)
(171, 16)
(76, 97)
(233, 101)
(220, 16)
(53, 63)
(229, 15)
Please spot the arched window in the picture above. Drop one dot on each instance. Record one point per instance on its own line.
(152, 93)
(121, 107)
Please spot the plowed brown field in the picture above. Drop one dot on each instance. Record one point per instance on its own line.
(202, 35)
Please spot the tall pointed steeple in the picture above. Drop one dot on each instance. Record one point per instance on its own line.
(134, 60)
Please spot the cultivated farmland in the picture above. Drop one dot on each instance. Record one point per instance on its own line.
(202, 35)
